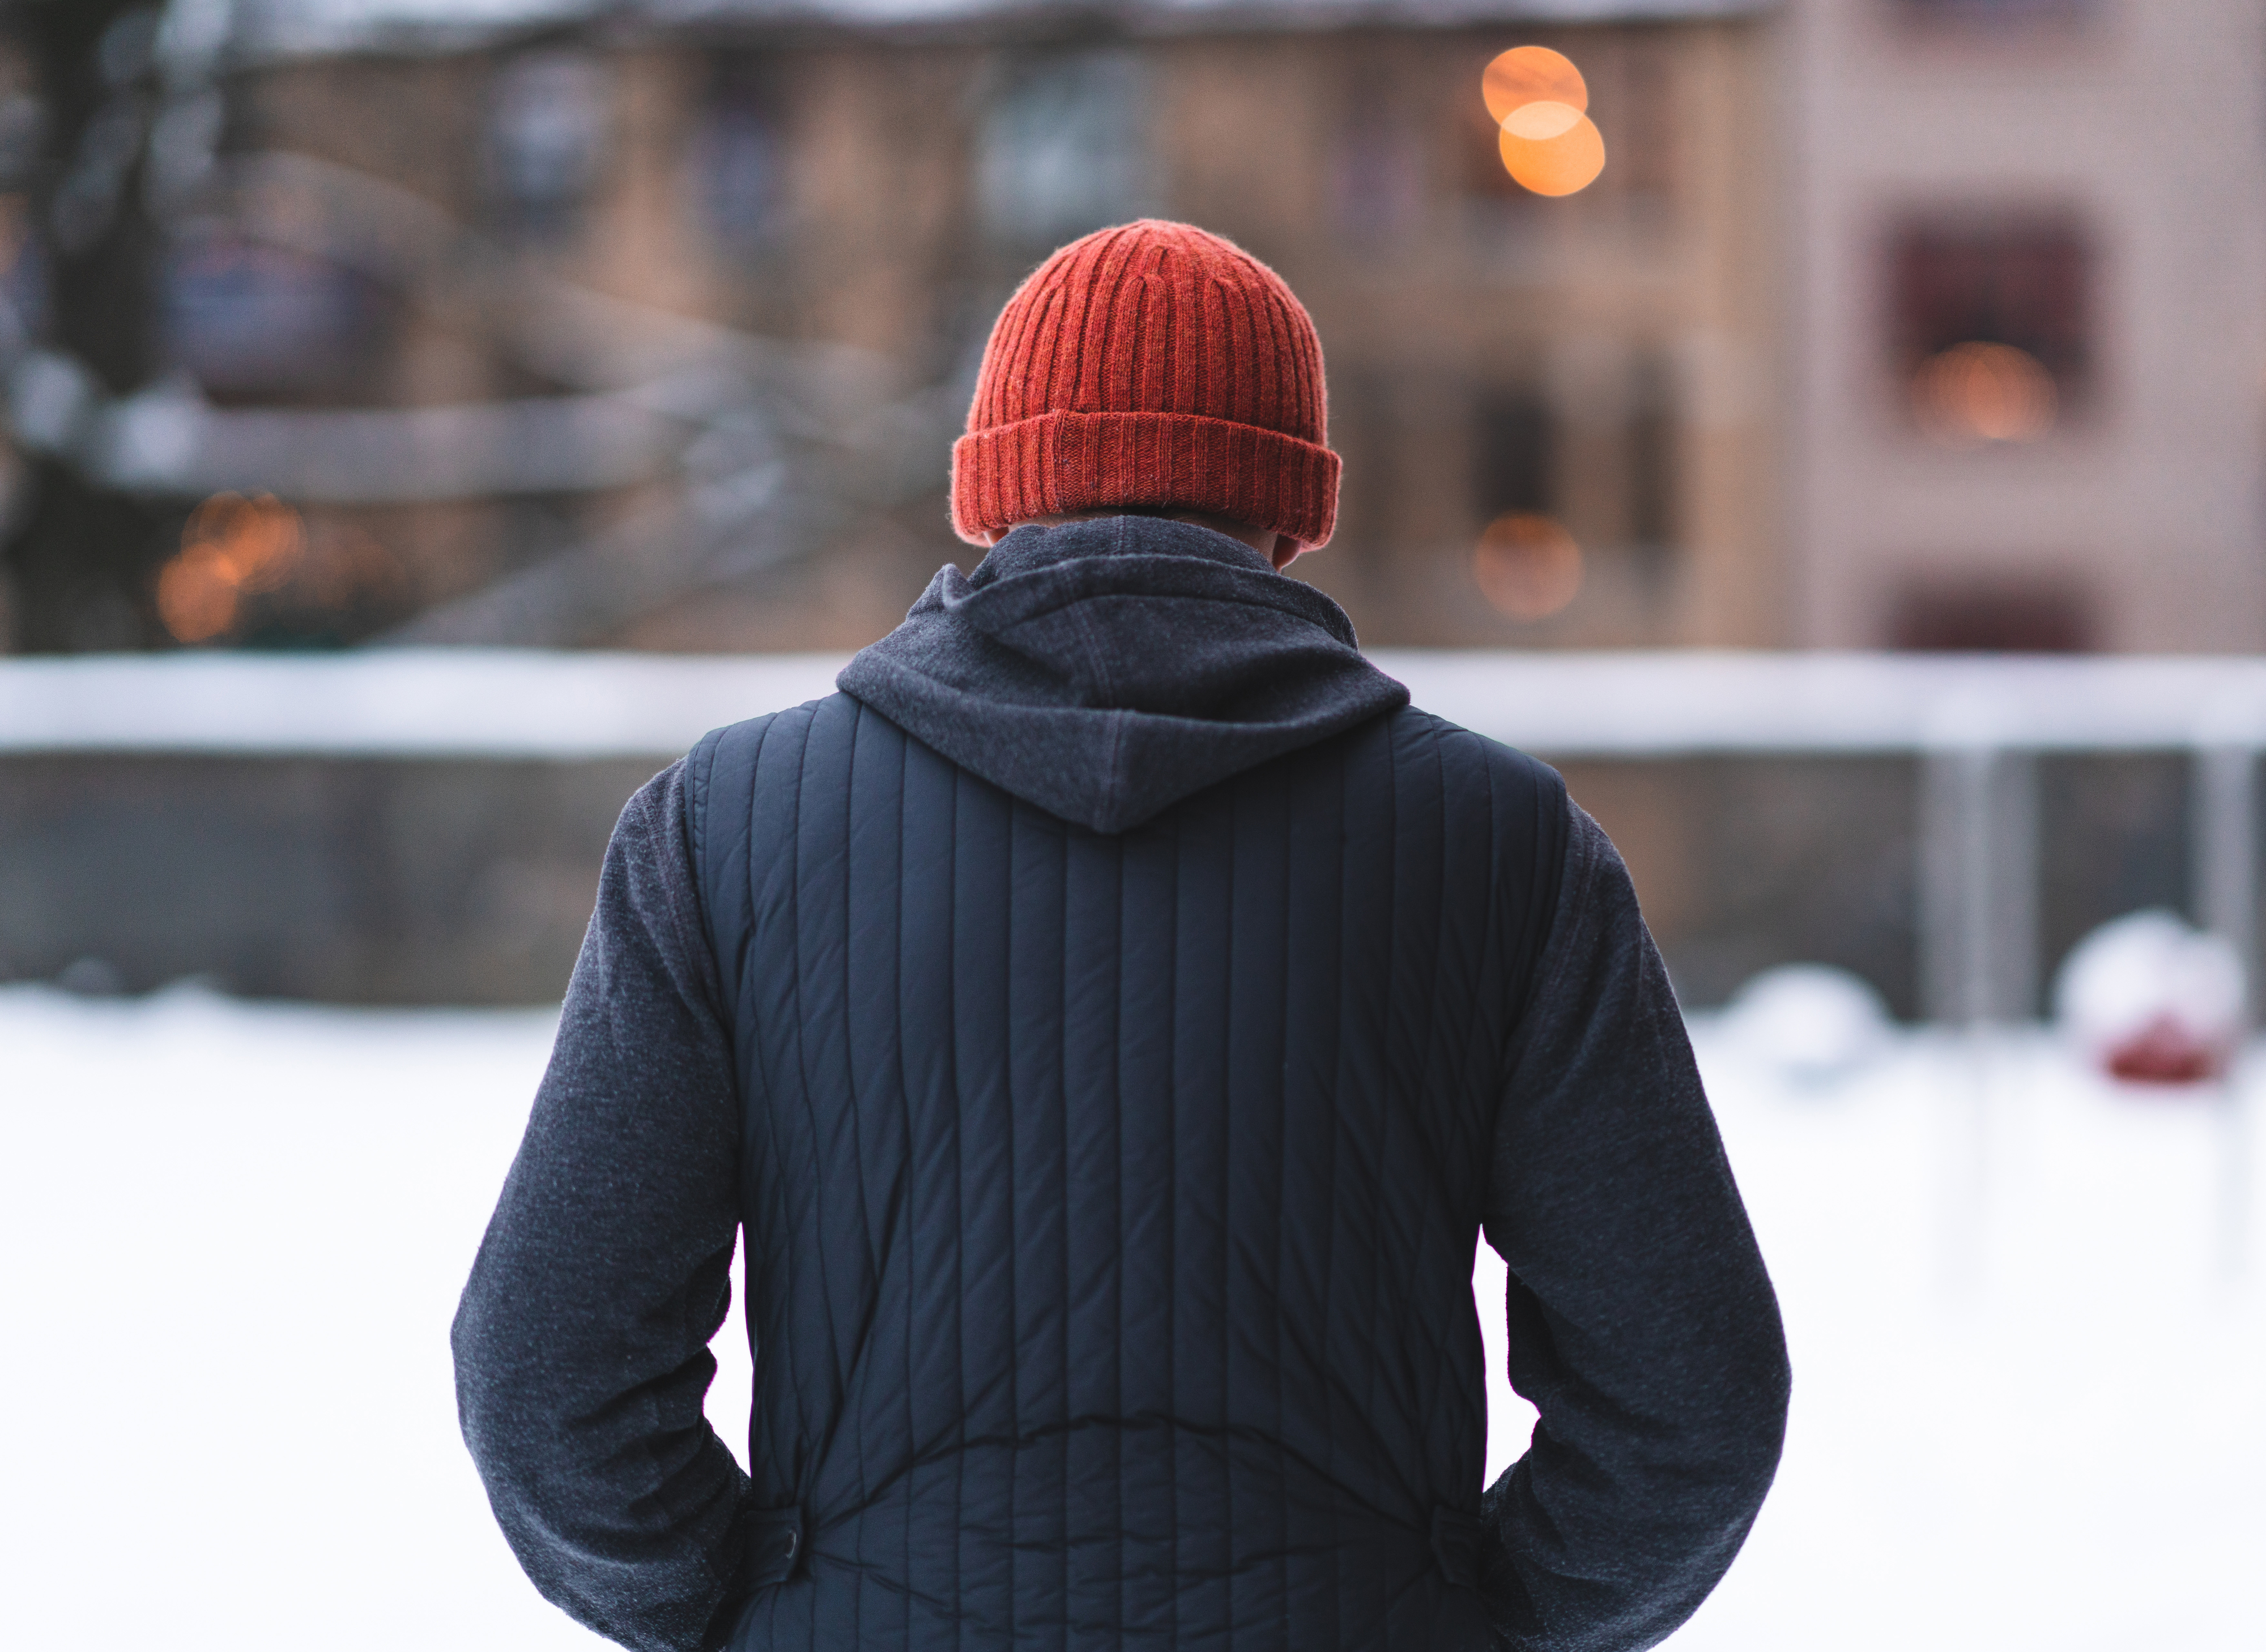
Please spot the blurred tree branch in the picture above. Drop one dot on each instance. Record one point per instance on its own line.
(80, 554)
(751, 451)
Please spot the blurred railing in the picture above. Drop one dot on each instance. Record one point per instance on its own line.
(1976, 724)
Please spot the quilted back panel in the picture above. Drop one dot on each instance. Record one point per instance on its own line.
(1110, 1201)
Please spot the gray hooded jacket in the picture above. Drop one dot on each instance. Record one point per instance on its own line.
(1111, 1020)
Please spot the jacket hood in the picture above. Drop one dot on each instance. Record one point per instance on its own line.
(1106, 669)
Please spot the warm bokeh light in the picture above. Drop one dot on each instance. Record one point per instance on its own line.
(1556, 165)
(1531, 74)
(232, 548)
(1985, 392)
(1541, 121)
(1526, 566)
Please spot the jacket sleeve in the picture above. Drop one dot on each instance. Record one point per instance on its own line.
(1642, 1326)
(581, 1342)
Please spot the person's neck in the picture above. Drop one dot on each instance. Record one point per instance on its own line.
(1265, 541)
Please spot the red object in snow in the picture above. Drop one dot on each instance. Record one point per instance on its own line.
(2164, 1052)
(2151, 1000)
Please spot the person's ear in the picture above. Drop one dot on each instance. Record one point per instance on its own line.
(1283, 551)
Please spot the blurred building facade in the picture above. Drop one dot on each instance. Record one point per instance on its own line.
(2028, 254)
(390, 221)
(1890, 323)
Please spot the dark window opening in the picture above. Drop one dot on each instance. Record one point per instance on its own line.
(1990, 327)
(245, 319)
(1634, 97)
(1994, 616)
(1996, 13)
(1378, 183)
(1515, 465)
(1479, 141)
(1064, 149)
(740, 153)
(24, 280)
(1652, 457)
(550, 126)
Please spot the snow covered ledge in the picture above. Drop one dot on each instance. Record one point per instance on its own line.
(1977, 723)
(509, 703)
(394, 703)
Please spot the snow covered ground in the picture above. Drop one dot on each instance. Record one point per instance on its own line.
(2027, 1418)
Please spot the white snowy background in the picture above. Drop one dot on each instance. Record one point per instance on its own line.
(2029, 1356)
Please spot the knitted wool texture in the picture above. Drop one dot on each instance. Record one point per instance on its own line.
(1155, 365)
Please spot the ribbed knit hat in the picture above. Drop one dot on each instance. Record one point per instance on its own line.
(1153, 364)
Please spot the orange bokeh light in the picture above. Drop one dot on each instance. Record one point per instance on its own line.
(1526, 566)
(1556, 165)
(1531, 74)
(232, 547)
(1541, 121)
(1980, 392)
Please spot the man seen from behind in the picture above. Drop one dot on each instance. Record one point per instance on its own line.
(1111, 1020)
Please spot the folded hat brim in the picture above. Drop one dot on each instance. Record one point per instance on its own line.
(1059, 463)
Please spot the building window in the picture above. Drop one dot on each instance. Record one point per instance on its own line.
(739, 154)
(1064, 149)
(23, 278)
(1993, 615)
(1377, 181)
(1524, 562)
(549, 127)
(1991, 328)
(1515, 456)
(23, 134)
(245, 319)
(1638, 92)
(1487, 181)
(1991, 14)
(1651, 456)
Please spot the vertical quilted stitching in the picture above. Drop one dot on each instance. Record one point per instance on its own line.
(1283, 1267)
(1119, 1126)
(1172, 1264)
(816, 1190)
(862, 1302)
(1011, 1260)
(781, 1436)
(1226, 1526)
(1348, 942)
(1375, 1321)
(1065, 1127)
(958, 1239)
(1424, 1364)
(896, 894)
(1188, 1098)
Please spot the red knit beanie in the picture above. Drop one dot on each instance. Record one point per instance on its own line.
(1154, 364)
